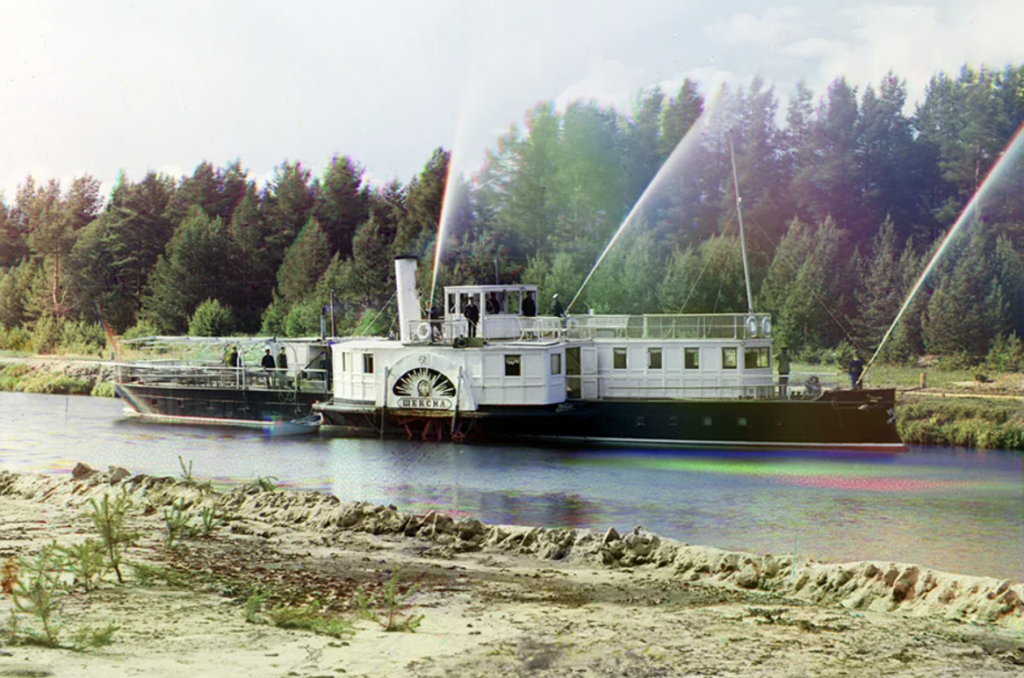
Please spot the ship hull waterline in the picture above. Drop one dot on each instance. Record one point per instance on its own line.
(859, 420)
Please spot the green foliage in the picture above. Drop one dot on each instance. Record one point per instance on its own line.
(38, 593)
(109, 518)
(961, 422)
(143, 328)
(86, 562)
(305, 618)
(211, 319)
(103, 389)
(45, 335)
(149, 575)
(1006, 354)
(389, 605)
(189, 480)
(78, 337)
(264, 484)
(54, 383)
(14, 339)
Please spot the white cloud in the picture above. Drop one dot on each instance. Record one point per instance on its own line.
(774, 27)
(609, 82)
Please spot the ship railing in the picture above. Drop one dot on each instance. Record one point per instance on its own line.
(217, 375)
(688, 326)
(595, 326)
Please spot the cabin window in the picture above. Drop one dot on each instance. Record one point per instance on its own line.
(367, 363)
(691, 358)
(729, 356)
(556, 363)
(654, 358)
(344, 362)
(755, 357)
(513, 366)
(619, 358)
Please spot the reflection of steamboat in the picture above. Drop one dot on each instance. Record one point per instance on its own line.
(690, 380)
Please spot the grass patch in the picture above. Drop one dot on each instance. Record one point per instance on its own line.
(961, 422)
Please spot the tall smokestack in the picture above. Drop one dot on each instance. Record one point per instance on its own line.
(408, 298)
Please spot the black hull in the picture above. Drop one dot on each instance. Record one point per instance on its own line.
(179, 404)
(842, 419)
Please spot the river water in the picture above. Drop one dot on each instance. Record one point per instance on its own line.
(955, 510)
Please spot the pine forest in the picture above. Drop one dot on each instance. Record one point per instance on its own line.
(846, 195)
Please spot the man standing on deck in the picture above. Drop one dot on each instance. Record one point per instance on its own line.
(282, 365)
(783, 362)
(529, 306)
(557, 309)
(267, 363)
(856, 369)
(472, 314)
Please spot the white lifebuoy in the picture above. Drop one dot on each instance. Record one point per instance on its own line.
(752, 326)
(766, 326)
(572, 323)
(423, 331)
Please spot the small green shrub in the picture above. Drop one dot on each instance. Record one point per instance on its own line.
(143, 328)
(1006, 354)
(85, 562)
(38, 593)
(388, 606)
(211, 319)
(45, 335)
(78, 337)
(103, 389)
(15, 339)
(305, 618)
(109, 519)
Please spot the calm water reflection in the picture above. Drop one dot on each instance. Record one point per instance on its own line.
(951, 509)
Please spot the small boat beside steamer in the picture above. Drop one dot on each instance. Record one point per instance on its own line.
(674, 380)
(186, 380)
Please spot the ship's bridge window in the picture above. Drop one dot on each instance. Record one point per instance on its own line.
(729, 356)
(513, 365)
(654, 358)
(755, 357)
(367, 363)
(691, 358)
(619, 358)
(556, 363)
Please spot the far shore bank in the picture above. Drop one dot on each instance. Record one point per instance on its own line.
(982, 415)
(492, 600)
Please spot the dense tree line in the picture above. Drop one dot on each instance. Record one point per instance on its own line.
(845, 199)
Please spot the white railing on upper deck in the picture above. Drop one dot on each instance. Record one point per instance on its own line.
(512, 328)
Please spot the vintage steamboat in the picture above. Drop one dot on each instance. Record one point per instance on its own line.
(673, 380)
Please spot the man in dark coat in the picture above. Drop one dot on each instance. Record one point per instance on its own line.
(529, 306)
(557, 309)
(472, 314)
(267, 363)
(782, 360)
(856, 369)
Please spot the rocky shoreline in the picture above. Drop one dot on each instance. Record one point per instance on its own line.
(502, 600)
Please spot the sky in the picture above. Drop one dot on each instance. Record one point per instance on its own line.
(100, 87)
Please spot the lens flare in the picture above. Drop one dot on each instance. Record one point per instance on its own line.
(683, 150)
(1010, 154)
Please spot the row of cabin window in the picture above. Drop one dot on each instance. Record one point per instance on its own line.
(514, 364)
(346, 362)
(752, 358)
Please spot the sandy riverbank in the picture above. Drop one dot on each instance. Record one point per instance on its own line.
(495, 600)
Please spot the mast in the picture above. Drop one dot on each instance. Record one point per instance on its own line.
(739, 217)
